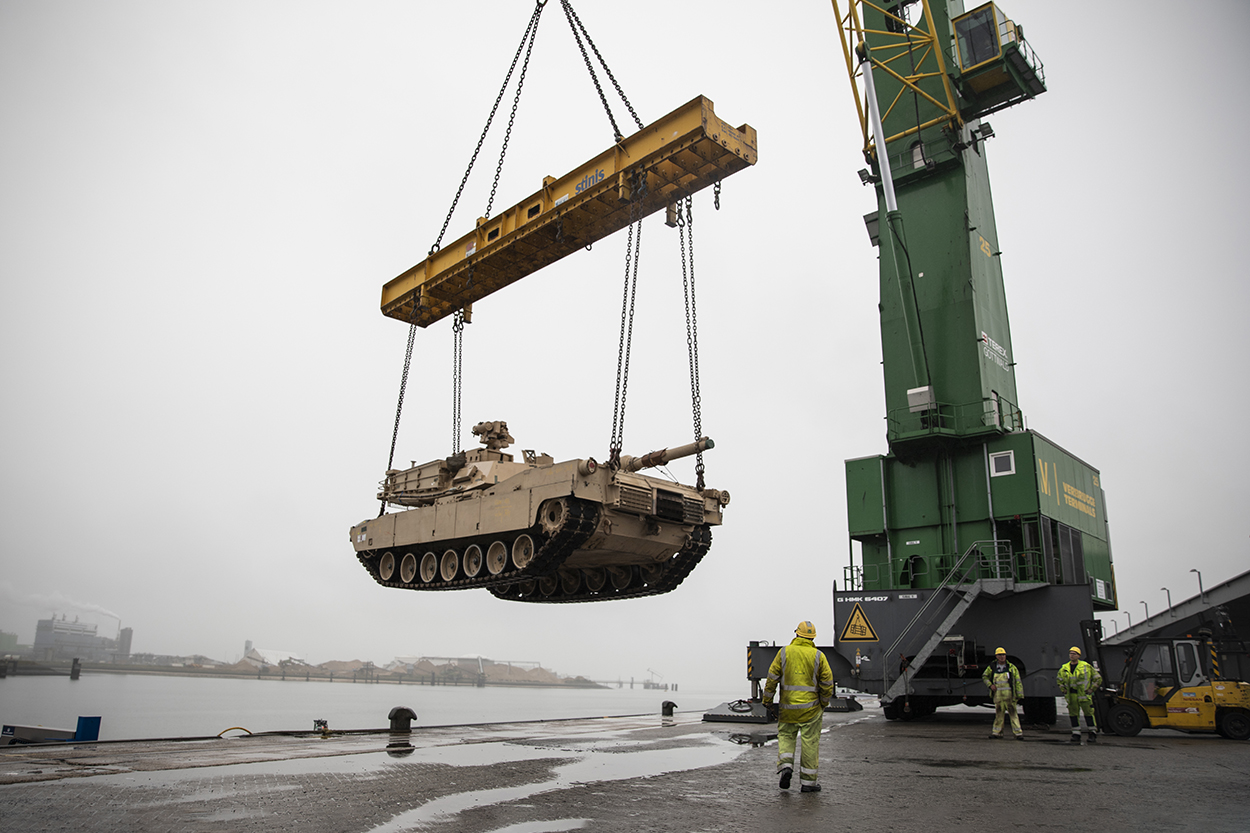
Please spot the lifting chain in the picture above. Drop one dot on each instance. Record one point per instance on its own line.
(685, 229)
(633, 246)
(457, 357)
(579, 31)
(526, 46)
(403, 384)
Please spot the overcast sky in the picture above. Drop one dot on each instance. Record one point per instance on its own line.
(199, 203)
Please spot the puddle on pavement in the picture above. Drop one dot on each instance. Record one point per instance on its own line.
(594, 766)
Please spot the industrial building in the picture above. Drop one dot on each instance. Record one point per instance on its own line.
(62, 639)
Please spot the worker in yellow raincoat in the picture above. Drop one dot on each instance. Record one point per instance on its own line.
(1078, 680)
(1003, 680)
(806, 682)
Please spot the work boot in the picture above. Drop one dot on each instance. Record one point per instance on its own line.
(995, 736)
(1093, 737)
(1076, 738)
(810, 788)
(785, 778)
(1020, 736)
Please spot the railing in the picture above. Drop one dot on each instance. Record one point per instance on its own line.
(1009, 32)
(991, 415)
(924, 571)
(973, 565)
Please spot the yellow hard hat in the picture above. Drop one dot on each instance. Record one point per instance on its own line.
(806, 630)
(1074, 650)
(998, 651)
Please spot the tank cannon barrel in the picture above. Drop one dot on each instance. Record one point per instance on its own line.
(665, 455)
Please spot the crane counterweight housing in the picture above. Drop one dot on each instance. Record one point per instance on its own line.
(536, 530)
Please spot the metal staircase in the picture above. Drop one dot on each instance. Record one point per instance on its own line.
(985, 567)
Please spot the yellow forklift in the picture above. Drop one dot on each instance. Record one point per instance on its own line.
(1194, 683)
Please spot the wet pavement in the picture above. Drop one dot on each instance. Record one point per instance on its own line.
(633, 773)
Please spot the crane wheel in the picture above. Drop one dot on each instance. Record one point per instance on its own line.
(1126, 720)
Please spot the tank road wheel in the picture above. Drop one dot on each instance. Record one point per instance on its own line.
(429, 567)
(449, 566)
(408, 568)
(1235, 725)
(595, 578)
(525, 588)
(570, 581)
(472, 561)
(651, 574)
(1125, 719)
(620, 576)
(386, 566)
(553, 514)
(547, 585)
(522, 551)
(496, 557)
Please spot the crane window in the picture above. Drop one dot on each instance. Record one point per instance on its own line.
(1002, 463)
(977, 35)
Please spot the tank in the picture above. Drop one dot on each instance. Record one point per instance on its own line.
(536, 530)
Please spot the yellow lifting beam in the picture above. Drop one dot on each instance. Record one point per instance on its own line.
(681, 153)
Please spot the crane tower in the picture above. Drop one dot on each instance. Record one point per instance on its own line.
(973, 530)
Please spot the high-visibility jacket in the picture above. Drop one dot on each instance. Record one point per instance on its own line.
(1008, 679)
(1081, 680)
(805, 679)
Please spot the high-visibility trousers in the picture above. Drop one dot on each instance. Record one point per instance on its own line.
(1078, 703)
(808, 734)
(1005, 705)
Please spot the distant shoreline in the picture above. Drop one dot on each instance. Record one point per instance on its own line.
(28, 668)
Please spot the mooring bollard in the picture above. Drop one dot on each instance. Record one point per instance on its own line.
(667, 708)
(401, 718)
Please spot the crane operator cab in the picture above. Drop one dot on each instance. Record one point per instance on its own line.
(997, 68)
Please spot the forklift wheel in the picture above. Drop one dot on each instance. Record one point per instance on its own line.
(1125, 720)
(1235, 725)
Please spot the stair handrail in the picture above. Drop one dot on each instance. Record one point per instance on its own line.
(950, 579)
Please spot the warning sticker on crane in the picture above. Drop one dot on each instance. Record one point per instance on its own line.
(858, 628)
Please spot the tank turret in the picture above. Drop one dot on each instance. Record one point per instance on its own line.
(537, 530)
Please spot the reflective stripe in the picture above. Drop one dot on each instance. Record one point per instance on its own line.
(797, 687)
(805, 771)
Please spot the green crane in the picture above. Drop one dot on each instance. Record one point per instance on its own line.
(973, 531)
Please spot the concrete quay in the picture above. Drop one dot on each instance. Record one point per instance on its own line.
(640, 773)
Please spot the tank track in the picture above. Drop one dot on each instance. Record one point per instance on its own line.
(550, 551)
(674, 573)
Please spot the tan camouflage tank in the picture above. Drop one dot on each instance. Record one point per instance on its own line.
(537, 530)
